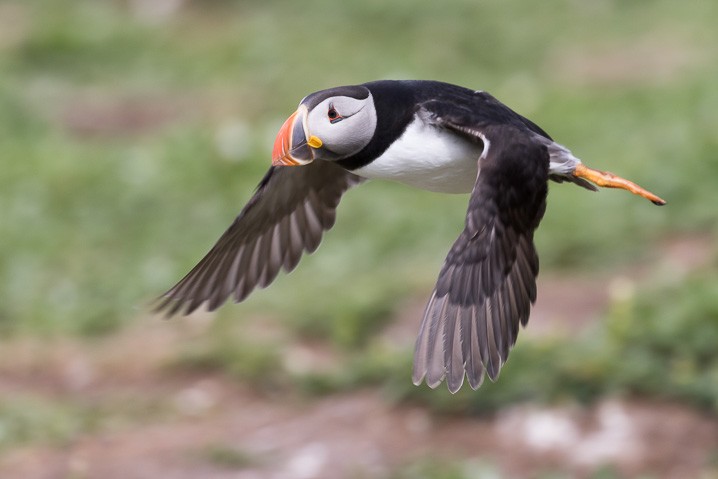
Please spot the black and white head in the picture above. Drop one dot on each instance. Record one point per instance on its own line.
(328, 125)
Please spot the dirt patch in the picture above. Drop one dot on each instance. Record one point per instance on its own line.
(653, 60)
(14, 24)
(97, 115)
(631, 437)
(360, 434)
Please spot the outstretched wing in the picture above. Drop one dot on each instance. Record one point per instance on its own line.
(287, 215)
(488, 281)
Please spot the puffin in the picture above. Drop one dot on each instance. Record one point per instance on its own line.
(430, 135)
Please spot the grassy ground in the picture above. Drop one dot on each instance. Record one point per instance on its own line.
(132, 132)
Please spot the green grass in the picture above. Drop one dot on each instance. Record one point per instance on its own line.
(226, 349)
(228, 457)
(27, 419)
(128, 144)
(432, 468)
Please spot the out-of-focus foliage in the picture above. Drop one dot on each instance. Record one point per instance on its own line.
(130, 140)
(660, 344)
(133, 131)
(131, 136)
(665, 341)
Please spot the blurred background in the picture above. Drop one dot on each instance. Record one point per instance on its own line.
(131, 134)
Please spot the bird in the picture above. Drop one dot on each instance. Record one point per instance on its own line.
(430, 135)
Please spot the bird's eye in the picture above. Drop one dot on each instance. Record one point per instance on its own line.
(333, 114)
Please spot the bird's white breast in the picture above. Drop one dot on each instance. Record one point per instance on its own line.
(429, 158)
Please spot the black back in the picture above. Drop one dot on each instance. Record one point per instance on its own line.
(397, 101)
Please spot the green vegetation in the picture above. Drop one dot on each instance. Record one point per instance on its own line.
(60, 420)
(31, 419)
(477, 469)
(130, 141)
(228, 457)
(438, 469)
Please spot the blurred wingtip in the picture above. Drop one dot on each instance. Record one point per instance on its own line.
(455, 385)
(167, 306)
(159, 306)
(493, 369)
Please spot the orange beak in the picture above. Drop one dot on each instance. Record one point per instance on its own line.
(292, 147)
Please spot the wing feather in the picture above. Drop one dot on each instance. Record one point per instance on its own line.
(488, 282)
(287, 216)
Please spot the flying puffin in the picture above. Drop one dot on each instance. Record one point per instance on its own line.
(430, 135)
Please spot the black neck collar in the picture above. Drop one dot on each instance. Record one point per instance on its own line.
(395, 105)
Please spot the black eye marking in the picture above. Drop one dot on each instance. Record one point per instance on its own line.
(333, 114)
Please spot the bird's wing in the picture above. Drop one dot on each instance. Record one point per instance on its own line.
(287, 215)
(488, 281)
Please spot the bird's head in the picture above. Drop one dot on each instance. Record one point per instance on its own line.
(328, 125)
